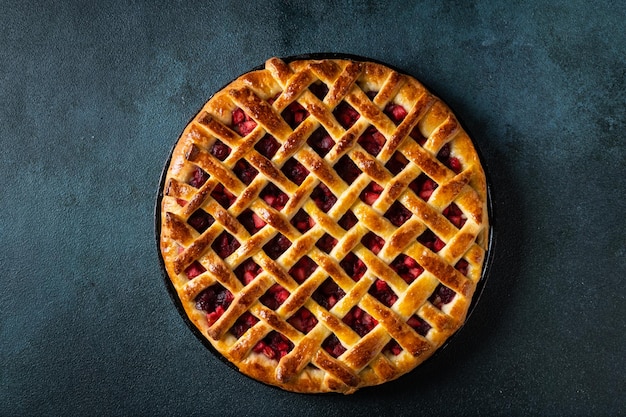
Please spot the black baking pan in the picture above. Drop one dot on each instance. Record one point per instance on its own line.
(490, 206)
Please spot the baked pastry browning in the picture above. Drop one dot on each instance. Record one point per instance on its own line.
(324, 223)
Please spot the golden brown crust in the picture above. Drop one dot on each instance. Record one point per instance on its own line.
(264, 95)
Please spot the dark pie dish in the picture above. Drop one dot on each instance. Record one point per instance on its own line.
(324, 223)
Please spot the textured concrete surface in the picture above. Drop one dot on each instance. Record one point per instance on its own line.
(93, 96)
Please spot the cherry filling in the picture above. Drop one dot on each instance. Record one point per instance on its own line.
(383, 293)
(295, 171)
(302, 269)
(274, 345)
(225, 244)
(321, 142)
(214, 300)
(431, 241)
(333, 346)
(275, 247)
(450, 161)
(319, 89)
(242, 123)
(455, 215)
(398, 214)
(371, 193)
(200, 220)
(373, 242)
(194, 270)
(346, 115)
(423, 186)
(294, 114)
(420, 326)
(302, 221)
(393, 347)
(328, 294)
(396, 163)
(267, 146)
(462, 266)
(274, 196)
(223, 196)
(406, 267)
(323, 197)
(347, 169)
(251, 221)
(303, 320)
(354, 267)
(326, 243)
(274, 297)
(247, 270)
(372, 140)
(244, 171)
(441, 296)
(417, 136)
(243, 323)
(360, 321)
(220, 150)
(198, 177)
(395, 112)
(348, 220)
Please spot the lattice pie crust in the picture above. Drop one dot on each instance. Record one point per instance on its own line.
(324, 223)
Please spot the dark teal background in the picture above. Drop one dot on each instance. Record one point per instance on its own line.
(94, 94)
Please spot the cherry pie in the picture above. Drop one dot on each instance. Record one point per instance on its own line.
(324, 223)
